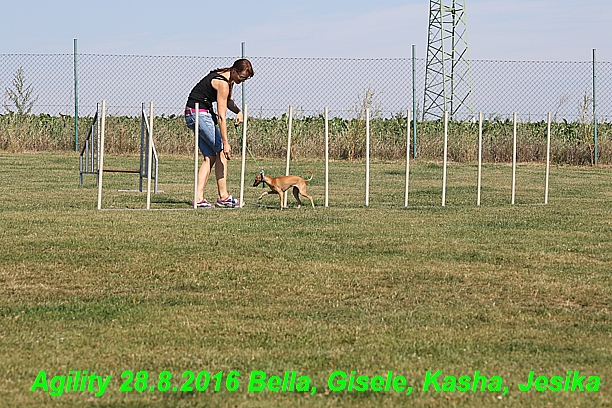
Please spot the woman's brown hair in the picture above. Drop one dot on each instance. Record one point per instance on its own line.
(240, 65)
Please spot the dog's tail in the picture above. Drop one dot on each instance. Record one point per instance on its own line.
(310, 175)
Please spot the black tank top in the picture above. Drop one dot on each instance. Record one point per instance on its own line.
(204, 93)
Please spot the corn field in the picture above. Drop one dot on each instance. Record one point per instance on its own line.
(571, 142)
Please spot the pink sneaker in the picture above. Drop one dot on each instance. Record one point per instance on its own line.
(229, 202)
(203, 204)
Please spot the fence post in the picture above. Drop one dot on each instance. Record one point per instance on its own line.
(547, 160)
(243, 53)
(326, 157)
(414, 112)
(288, 148)
(101, 153)
(149, 156)
(367, 186)
(196, 134)
(479, 158)
(407, 158)
(76, 100)
(244, 149)
(594, 107)
(445, 161)
(514, 160)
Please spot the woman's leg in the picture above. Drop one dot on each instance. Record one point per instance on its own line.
(206, 145)
(205, 141)
(204, 174)
(221, 174)
(221, 168)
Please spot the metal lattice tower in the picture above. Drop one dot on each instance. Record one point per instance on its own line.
(448, 76)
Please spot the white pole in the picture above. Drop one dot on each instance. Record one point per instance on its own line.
(367, 191)
(195, 157)
(444, 159)
(98, 125)
(149, 158)
(479, 157)
(547, 161)
(288, 147)
(326, 157)
(244, 147)
(514, 162)
(101, 154)
(407, 157)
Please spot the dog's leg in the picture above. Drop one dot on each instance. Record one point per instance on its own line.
(296, 194)
(282, 196)
(303, 192)
(310, 198)
(265, 194)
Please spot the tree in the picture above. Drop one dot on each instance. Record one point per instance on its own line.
(20, 95)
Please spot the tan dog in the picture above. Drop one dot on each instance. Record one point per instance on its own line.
(278, 185)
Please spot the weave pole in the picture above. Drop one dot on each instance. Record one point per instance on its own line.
(101, 154)
(149, 158)
(326, 157)
(514, 161)
(288, 147)
(479, 157)
(195, 156)
(244, 148)
(547, 161)
(407, 157)
(367, 188)
(444, 159)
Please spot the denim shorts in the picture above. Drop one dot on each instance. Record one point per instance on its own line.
(210, 142)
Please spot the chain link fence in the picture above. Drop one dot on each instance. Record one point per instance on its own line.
(345, 86)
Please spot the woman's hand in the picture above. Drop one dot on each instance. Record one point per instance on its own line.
(227, 151)
(239, 118)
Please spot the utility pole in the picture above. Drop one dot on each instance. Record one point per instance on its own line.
(448, 75)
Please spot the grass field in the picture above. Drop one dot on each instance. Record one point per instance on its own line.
(500, 290)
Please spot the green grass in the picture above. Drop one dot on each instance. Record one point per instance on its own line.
(498, 289)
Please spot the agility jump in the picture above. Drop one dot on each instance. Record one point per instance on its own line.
(89, 160)
(149, 155)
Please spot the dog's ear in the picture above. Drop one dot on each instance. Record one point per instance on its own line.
(258, 179)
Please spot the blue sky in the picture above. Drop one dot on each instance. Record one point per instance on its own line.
(500, 30)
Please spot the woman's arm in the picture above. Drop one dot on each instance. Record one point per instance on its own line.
(232, 106)
(222, 105)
